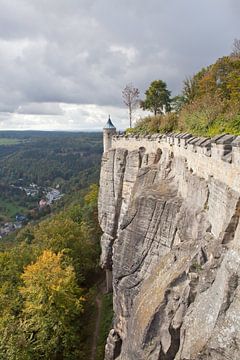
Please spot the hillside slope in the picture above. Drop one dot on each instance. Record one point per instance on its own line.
(208, 105)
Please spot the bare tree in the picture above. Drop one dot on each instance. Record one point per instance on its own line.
(236, 48)
(130, 96)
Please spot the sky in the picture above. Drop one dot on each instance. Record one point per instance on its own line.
(64, 63)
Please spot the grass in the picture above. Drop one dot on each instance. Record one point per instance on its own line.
(6, 141)
(9, 209)
(105, 324)
(195, 123)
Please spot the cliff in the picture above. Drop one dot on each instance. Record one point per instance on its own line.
(169, 209)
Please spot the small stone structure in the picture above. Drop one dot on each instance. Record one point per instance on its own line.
(108, 131)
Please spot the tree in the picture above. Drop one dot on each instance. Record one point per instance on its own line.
(130, 96)
(189, 89)
(177, 103)
(157, 98)
(191, 86)
(53, 303)
(220, 80)
(77, 240)
(236, 48)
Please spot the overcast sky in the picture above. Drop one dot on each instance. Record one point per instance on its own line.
(64, 63)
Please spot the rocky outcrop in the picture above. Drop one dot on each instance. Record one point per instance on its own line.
(172, 239)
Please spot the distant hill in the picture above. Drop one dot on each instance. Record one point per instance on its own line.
(48, 157)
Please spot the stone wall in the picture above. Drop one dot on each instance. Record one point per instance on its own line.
(169, 208)
(217, 157)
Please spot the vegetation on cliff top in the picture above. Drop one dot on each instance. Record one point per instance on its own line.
(208, 105)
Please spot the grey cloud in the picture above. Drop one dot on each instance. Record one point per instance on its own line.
(40, 109)
(85, 51)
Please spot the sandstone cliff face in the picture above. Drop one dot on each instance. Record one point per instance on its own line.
(172, 239)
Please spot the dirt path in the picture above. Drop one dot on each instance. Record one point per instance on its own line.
(98, 300)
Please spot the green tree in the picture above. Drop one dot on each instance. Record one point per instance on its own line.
(191, 86)
(77, 241)
(177, 103)
(221, 80)
(13, 344)
(189, 89)
(157, 98)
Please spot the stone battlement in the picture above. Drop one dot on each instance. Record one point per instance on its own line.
(217, 157)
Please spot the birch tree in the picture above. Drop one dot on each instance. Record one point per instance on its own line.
(130, 96)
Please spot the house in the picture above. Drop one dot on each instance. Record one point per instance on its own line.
(42, 203)
(20, 218)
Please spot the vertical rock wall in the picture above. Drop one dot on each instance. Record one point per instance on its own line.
(172, 240)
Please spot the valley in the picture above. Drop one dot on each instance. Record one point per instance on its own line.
(37, 168)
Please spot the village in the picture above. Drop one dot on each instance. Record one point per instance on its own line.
(48, 196)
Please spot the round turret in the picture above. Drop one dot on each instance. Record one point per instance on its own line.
(108, 131)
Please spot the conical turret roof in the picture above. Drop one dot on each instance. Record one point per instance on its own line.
(109, 124)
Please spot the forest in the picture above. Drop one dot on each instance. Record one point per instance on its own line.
(47, 158)
(49, 277)
(70, 161)
(49, 269)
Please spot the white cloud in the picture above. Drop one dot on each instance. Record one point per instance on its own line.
(70, 117)
(129, 53)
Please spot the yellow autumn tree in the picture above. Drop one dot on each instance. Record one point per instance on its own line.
(53, 304)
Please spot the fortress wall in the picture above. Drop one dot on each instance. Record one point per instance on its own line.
(218, 157)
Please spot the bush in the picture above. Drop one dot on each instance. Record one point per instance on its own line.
(169, 123)
(155, 124)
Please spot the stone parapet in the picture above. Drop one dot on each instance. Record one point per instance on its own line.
(217, 157)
